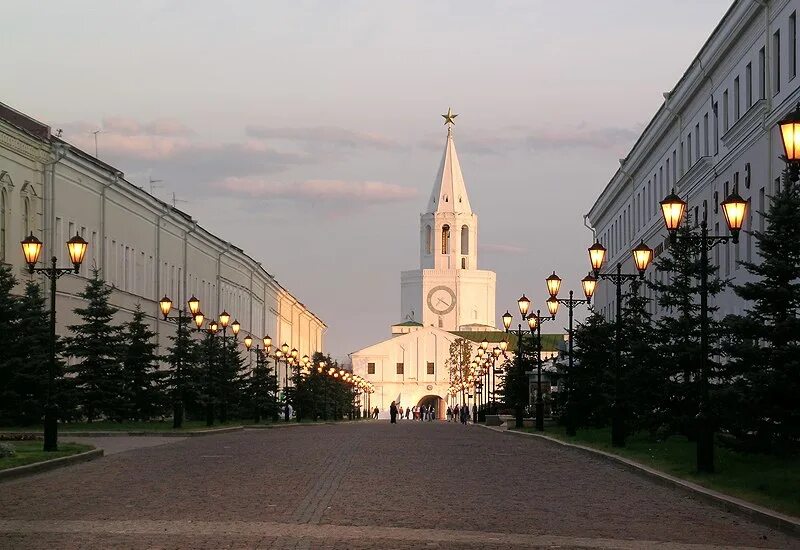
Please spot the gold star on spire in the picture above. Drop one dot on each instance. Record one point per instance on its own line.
(449, 118)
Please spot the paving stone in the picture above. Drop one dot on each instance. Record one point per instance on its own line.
(361, 485)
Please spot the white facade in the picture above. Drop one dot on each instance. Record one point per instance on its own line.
(715, 131)
(448, 291)
(143, 247)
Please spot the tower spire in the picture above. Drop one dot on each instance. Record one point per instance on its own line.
(449, 192)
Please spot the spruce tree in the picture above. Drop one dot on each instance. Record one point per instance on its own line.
(9, 345)
(30, 371)
(640, 381)
(95, 346)
(765, 365)
(592, 382)
(677, 332)
(141, 378)
(184, 381)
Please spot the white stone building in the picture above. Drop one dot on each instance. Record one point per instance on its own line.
(143, 247)
(447, 298)
(715, 131)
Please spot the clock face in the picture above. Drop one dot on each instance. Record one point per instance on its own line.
(441, 300)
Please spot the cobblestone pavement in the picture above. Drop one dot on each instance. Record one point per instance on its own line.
(362, 485)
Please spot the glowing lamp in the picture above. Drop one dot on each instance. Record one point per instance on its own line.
(165, 305)
(553, 284)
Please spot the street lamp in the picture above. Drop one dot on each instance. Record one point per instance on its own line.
(524, 304)
(31, 250)
(790, 137)
(588, 284)
(535, 324)
(642, 256)
(734, 207)
(182, 319)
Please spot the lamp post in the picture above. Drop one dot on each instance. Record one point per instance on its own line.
(642, 256)
(182, 320)
(553, 286)
(261, 363)
(790, 137)
(533, 322)
(673, 208)
(32, 249)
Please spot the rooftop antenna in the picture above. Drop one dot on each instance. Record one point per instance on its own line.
(176, 200)
(151, 181)
(95, 142)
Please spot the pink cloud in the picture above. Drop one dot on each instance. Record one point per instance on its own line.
(365, 192)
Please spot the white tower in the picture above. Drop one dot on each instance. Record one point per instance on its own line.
(449, 291)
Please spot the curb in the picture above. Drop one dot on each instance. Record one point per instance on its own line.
(760, 514)
(155, 433)
(280, 425)
(47, 465)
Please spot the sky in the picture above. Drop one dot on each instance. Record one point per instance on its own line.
(309, 133)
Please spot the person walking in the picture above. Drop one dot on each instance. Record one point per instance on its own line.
(400, 411)
(393, 413)
(431, 413)
(408, 412)
(449, 413)
(375, 413)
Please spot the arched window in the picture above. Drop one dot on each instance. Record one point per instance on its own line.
(26, 216)
(428, 239)
(3, 224)
(465, 240)
(445, 239)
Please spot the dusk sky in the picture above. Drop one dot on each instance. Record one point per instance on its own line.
(309, 133)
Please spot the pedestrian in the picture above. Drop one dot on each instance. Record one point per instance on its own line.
(400, 411)
(393, 413)
(375, 413)
(464, 414)
(408, 412)
(456, 417)
(431, 413)
(474, 412)
(449, 413)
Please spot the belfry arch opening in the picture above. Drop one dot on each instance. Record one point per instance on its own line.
(445, 239)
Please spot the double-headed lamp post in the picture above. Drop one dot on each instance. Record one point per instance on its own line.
(673, 208)
(553, 286)
(642, 256)
(181, 319)
(32, 249)
(261, 362)
(536, 324)
(533, 322)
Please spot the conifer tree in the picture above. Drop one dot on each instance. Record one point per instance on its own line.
(9, 314)
(141, 378)
(30, 364)
(592, 389)
(765, 349)
(184, 381)
(640, 380)
(677, 331)
(95, 345)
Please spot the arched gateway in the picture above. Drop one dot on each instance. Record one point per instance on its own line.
(437, 402)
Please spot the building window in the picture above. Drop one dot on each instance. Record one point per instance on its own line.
(428, 239)
(463, 263)
(399, 368)
(370, 368)
(748, 85)
(793, 45)
(716, 127)
(430, 368)
(762, 74)
(464, 240)
(689, 149)
(761, 209)
(697, 140)
(26, 217)
(736, 99)
(724, 111)
(445, 239)
(776, 63)
(3, 200)
(674, 167)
